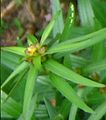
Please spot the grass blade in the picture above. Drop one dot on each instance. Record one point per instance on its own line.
(99, 112)
(32, 75)
(78, 43)
(68, 74)
(19, 69)
(68, 92)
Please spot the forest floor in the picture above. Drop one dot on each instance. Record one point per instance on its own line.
(22, 17)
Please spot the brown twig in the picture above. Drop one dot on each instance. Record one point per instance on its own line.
(9, 9)
(28, 6)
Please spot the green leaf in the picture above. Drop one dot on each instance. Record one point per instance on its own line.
(97, 66)
(32, 106)
(74, 108)
(94, 96)
(19, 69)
(10, 60)
(17, 80)
(59, 24)
(86, 13)
(79, 43)
(68, 23)
(98, 56)
(59, 117)
(68, 74)
(51, 110)
(41, 112)
(99, 112)
(18, 24)
(32, 75)
(11, 107)
(49, 28)
(31, 39)
(65, 108)
(99, 8)
(37, 62)
(16, 50)
(4, 73)
(68, 92)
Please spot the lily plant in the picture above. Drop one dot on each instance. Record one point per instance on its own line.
(44, 57)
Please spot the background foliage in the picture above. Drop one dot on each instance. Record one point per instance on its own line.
(62, 76)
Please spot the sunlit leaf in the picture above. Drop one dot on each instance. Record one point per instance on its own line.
(68, 74)
(31, 79)
(68, 23)
(79, 43)
(86, 13)
(59, 24)
(74, 108)
(10, 60)
(49, 28)
(16, 50)
(68, 92)
(33, 105)
(37, 62)
(31, 39)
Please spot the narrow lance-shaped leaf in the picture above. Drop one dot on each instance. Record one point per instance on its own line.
(11, 107)
(65, 108)
(51, 111)
(68, 92)
(86, 13)
(49, 28)
(19, 69)
(79, 43)
(31, 39)
(97, 66)
(59, 24)
(98, 56)
(37, 62)
(68, 74)
(99, 112)
(32, 75)
(99, 8)
(74, 108)
(68, 23)
(16, 50)
(10, 60)
(32, 106)
(17, 80)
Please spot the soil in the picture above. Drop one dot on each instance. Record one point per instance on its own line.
(21, 17)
